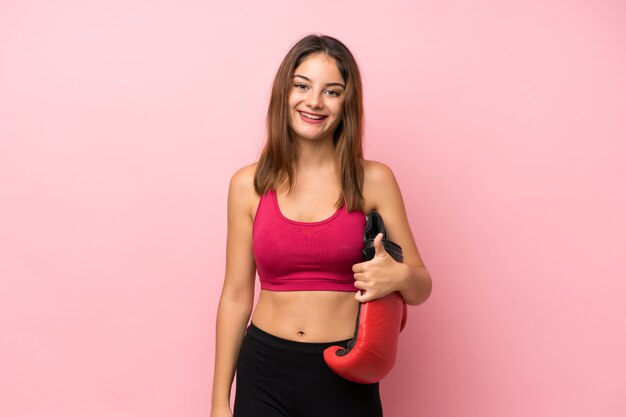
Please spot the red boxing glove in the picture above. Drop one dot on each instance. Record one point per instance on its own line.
(371, 353)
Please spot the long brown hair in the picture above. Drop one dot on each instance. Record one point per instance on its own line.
(278, 157)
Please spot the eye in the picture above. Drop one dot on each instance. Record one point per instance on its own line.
(300, 86)
(333, 93)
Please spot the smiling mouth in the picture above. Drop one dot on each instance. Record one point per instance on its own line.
(312, 116)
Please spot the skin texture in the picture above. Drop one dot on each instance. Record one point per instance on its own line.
(309, 316)
(318, 88)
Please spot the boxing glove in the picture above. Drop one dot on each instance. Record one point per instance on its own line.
(371, 354)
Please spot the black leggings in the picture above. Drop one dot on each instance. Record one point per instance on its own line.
(284, 378)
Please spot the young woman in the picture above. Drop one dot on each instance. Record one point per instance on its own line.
(297, 216)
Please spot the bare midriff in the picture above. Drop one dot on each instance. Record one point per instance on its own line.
(307, 316)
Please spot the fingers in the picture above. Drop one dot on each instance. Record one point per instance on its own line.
(379, 249)
(360, 295)
(365, 293)
(365, 296)
(368, 296)
(360, 267)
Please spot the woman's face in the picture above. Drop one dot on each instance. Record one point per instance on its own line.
(316, 98)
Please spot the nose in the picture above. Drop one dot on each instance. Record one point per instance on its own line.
(313, 100)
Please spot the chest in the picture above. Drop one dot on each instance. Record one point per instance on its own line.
(282, 244)
(308, 204)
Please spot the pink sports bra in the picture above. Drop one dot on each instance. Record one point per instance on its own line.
(306, 256)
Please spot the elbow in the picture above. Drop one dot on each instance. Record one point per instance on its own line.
(420, 289)
(238, 297)
(239, 308)
(421, 297)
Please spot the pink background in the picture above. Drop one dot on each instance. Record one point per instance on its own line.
(122, 121)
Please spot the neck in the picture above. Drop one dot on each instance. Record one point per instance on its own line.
(315, 155)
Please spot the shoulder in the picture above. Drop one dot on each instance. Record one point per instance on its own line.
(379, 183)
(243, 179)
(241, 192)
(377, 172)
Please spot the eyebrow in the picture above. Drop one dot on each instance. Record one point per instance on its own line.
(309, 80)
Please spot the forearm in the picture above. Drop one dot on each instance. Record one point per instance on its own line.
(232, 318)
(416, 286)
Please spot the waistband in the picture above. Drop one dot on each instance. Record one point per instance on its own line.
(290, 345)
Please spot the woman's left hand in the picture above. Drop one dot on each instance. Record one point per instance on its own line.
(379, 276)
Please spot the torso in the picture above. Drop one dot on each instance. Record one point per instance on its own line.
(307, 316)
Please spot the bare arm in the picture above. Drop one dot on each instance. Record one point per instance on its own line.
(383, 275)
(237, 297)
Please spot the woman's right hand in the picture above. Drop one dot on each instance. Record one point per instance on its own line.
(221, 411)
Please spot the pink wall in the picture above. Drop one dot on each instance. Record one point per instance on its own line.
(122, 121)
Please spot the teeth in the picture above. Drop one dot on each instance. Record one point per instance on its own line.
(311, 116)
